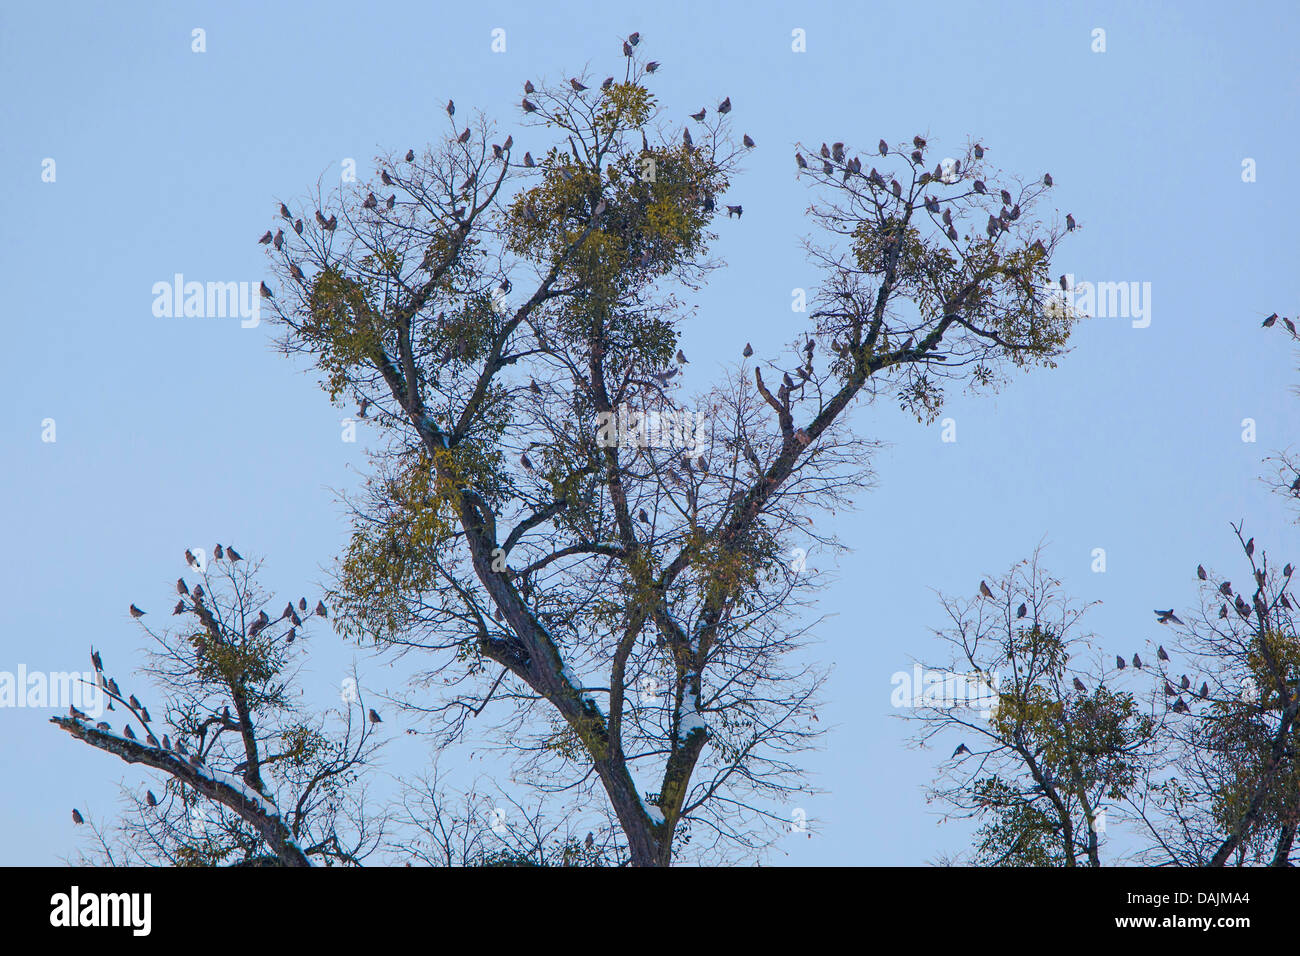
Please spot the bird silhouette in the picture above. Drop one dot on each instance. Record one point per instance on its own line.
(77, 818)
(451, 108)
(1079, 686)
(748, 141)
(528, 107)
(748, 350)
(150, 799)
(578, 86)
(725, 106)
(1047, 179)
(1180, 706)
(961, 749)
(266, 238)
(1162, 653)
(232, 554)
(464, 136)
(374, 717)
(681, 357)
(284, 211)
(190, 559)
(1200, 572)
(652, 66)
(321, 610)
(1164, 617)
(1137, 662)
(410, 155)
(698, 117)
(1022, 610)
(129, 732)
(984, 590)
(136, 612)
(266, 291)
(1184, 682)
(1120, 662)
(1250, 548)
(1070, 224)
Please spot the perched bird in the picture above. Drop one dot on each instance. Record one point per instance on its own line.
(526, 461)
(297, 227)
(232, 554)
(1200, 572)
(391, 201)
(278, 241)
(1205, 689)
(1180, 706)
(1047, 179)
(190, 559)
(725, 106)
(1006, 198)
(686, 137)
(979, 151)
(884, 148)
(627, 48)
(1120, 662)
(748, 350)
(980, 187)
(266, 238)
(1169, 689)
(1250, 548)
(748, 141)
(136, 612)
(451, 108)
(320, 609)
(1079, 686)
(410, 155)
(681, 357)
(1268, 323)
(590, 841)
(1022, 610)
(181, 587)
(77, 818)
(1184, 682)
(150, 799)
(1070, 224)
(643, 517)
(374, 716)
(284, 211)
(984, 590)
(961, 749)
(528, 87)
(1164, 617)
(129, 732)
(698, 117)
(96, 660)
(528, 107)
(288, 611)
(578, 87)
(266, 291)
(464, 136)
(371, 202)
(652, 66)
(179, 608)
(1162, 653)
(1226, 589)
(302, 604)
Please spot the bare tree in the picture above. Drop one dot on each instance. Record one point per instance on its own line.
(249, 778)
(601, 559)
(1045, 745)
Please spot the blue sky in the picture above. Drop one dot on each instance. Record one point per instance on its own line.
(177, 432)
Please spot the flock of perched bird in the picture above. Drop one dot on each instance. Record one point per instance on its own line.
(1184, 686)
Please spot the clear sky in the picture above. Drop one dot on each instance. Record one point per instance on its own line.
(174, 432)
